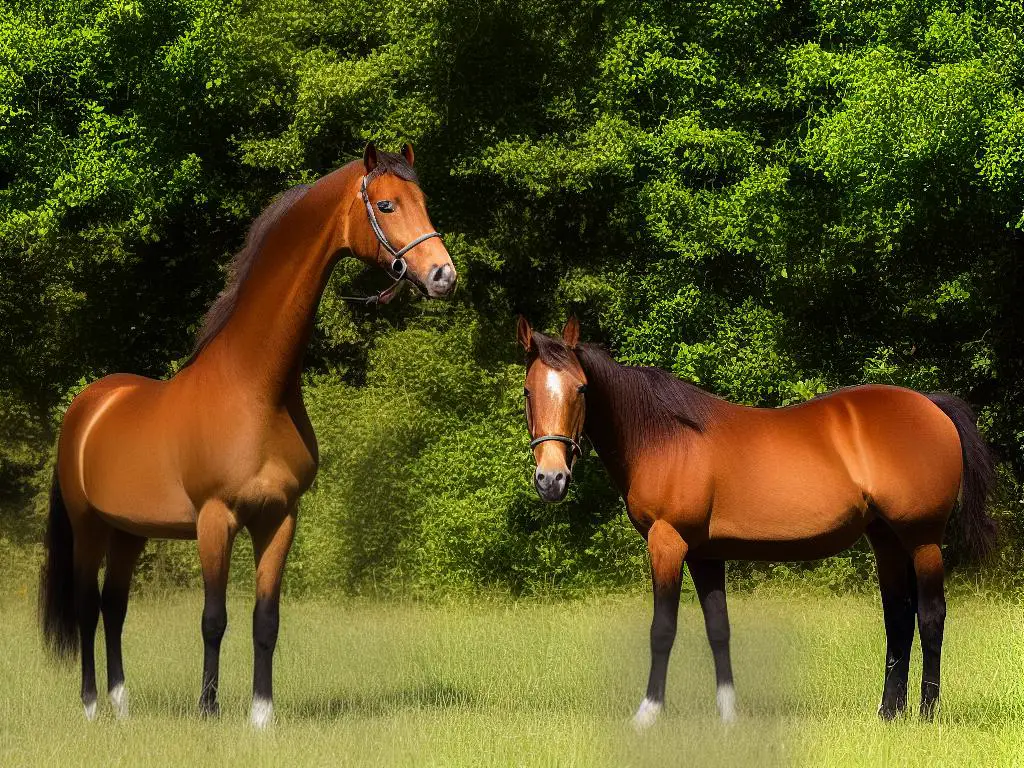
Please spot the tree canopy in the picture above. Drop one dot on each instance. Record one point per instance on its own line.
(770, 199)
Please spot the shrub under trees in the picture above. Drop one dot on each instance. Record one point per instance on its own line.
(771, 199)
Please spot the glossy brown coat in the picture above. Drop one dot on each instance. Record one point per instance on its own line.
(225, 443)
(802, 482)
(705, 480)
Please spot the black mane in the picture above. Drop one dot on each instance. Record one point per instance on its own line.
(241, 265)
(638, 405)
(242, 262)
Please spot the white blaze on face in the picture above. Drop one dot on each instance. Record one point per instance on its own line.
(557, 387)
(555, 383)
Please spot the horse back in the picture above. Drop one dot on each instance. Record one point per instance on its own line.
(804, 481)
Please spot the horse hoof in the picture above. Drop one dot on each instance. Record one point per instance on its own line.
(646, 715)
(727, 703)
(262, 713)
(209, 709)
(90, 710)
(119, 701)
(891, 712)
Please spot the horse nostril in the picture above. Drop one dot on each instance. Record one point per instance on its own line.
(443, 276)
(540, 477)
(559, 477)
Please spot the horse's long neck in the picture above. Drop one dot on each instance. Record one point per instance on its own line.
(265, 339)
(626, 420)
(604, 428)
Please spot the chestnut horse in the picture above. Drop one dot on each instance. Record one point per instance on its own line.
(706, 481)
(225, 443)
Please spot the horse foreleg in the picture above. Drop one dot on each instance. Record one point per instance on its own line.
(899, 606)
(667, 550)
(931, 619)
(709, 580)
(271, 542)
(216, 529)
(122, 555)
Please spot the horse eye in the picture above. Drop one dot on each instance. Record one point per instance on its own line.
(385, 206)
(526, 392)
(582, 389)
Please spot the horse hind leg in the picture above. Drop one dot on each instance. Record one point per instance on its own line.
(899, 606)
(122, 555)
(90, 546)
(931, 618)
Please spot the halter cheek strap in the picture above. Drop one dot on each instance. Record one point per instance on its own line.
(381, 237)
(398, 268)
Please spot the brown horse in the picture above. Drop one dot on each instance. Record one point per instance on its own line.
(706, 481)
(224, 444)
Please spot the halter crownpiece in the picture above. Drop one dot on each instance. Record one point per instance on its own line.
(398, 267)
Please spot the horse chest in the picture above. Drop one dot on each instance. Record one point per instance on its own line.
(269, 463)
(677, 491)
(286, 469)
(274, 485)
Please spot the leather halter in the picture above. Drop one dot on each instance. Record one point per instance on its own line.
(575, 453)
(576, 450)
(398, 268)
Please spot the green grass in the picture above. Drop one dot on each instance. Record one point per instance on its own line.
(530, 683)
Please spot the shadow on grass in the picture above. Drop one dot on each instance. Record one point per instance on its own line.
(982, 712)
(329, 706)
(428, 696)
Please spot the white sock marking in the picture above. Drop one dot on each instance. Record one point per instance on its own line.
(90, 711)
(262, 713)
(727, 702)
(646, 714)
(119, 700)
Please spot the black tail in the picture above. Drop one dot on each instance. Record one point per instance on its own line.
(57, 581)
(977, 530)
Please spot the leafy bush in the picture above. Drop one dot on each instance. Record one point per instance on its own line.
(770, 198)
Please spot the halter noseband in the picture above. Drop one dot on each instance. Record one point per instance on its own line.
(576, 450)
(573, 443)
(398, 268)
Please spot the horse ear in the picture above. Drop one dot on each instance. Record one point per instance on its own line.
(571, 332)
(370, 156)
(410, 158)
(524, 333)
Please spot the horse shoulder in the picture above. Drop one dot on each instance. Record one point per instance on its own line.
(674, 484)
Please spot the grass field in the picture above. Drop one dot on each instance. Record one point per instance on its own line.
(530, 683)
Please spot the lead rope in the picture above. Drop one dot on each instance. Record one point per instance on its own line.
(398, 267)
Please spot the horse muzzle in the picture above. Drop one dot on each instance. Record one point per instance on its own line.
(440, 281)
(552, 485)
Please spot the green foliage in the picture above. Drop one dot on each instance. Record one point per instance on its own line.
(426, 483)
(772, 199)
